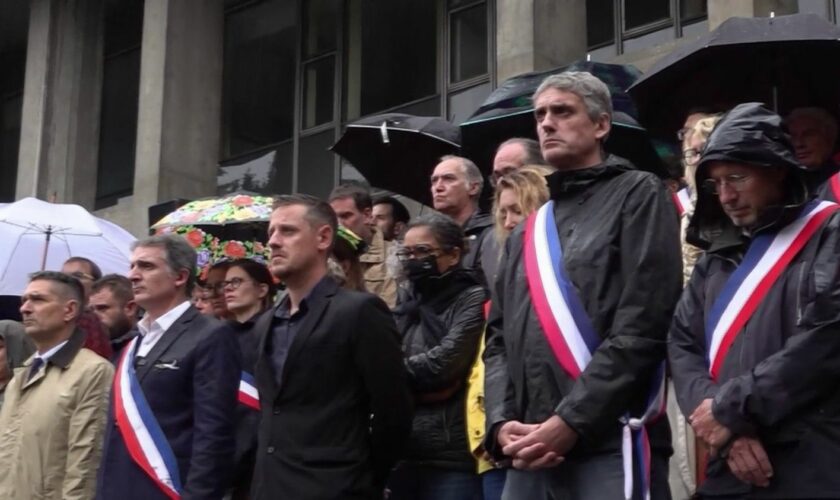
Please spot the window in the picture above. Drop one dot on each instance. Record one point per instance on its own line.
(259, 83)
(600, 23)
(468, 43)
(266, 172)
(391, 57)
(693, 10)
(14, 24)
(319, 49)
(639, 13)
(643, 23)
(316, 165)
(120, 97)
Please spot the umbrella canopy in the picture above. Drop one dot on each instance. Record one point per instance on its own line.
(785, 62)
(73, 232)
(508, 112)
(398, 152)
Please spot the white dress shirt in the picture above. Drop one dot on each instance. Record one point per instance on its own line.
(151, 333)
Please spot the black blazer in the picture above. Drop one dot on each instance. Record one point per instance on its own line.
(194, 405)
(339, 422)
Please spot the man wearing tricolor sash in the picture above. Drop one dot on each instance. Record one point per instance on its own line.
(576, 336)
(170, 432)
(754, 346)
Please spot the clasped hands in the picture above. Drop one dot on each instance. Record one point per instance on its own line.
(536, 446)
(746, 457)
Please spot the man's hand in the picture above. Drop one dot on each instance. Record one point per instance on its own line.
(748, 461)
(512, 431)
(543, 447)
(707, 428)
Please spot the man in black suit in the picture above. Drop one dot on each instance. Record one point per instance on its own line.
(184, 368)
(333, 390)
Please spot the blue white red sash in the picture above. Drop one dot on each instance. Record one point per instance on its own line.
(682, 199)
(248, 394)
(143, 437)
(767, 257)
(572, 337)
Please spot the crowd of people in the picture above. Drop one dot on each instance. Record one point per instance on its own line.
(596, 335)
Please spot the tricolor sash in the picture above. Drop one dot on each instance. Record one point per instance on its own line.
(143, 437)
(572, 337)
(834, 183)
(682, 199)
(767, 257)
(248, 394)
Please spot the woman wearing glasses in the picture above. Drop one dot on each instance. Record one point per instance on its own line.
(248, 292)
(440, 320)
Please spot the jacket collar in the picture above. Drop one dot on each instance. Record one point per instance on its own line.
(564, 182)
(477, 222)
(68, 352)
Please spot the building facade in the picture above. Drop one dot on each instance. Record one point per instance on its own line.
(118, 105)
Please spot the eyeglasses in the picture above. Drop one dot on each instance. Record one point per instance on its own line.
(213, 289)
(735, 181)
(417, 252)
(691, 155)
(232, 283)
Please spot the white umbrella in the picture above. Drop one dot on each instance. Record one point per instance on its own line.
(36, 235)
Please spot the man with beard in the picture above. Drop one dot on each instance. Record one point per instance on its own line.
(334, 396)
(113, 303)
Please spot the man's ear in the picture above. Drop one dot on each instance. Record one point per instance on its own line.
(368, 215)
(325, 237)
(602, 126)
(72, 310)
(181, 277)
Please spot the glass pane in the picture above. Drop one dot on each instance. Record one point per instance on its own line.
(819, 7)
(10, 116)
(649, 40)
(123, 26)
(600, 22)
(259, 85)
(316, 165)
(641, 12)
(464, 103)
(318, 90)
(118, 127)
(266, 173)
(321, 27)
(397, 35)
(468, 44)
(696, 9)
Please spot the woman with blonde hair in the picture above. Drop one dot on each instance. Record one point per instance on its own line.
(518, 193)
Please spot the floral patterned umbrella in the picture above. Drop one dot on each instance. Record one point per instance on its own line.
(228, 228)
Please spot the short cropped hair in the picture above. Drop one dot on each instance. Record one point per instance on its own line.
(119, 285)
(398, 210)
(318, 212)
(72, 287)
(533, 153)
(469, 169)
(179, 255)
(359, 193)
(594, 92)
(95, 272)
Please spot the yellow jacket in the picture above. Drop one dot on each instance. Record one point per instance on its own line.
(475, 411)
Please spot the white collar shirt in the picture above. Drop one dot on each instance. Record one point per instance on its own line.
(151, 333)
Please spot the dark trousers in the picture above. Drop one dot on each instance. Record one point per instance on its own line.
(411, 482)
(594, 478)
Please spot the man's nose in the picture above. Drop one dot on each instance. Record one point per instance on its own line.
(726, 194)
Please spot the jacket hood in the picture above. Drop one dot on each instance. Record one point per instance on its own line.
(569, 181)
(753, 135)
(18, 345)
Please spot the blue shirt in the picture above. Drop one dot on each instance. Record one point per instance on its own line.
(285, 326)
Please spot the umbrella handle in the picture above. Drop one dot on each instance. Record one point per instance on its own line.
(46, 248)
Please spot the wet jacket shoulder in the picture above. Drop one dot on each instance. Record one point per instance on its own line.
(620, 237)
(482, 253)
(440, 343)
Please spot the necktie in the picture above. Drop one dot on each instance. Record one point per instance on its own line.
(33, 369)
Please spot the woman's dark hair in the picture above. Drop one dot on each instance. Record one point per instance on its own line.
(446, 231)
(259, 273)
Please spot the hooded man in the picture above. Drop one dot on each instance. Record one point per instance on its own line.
(15, 348)
(755, 342)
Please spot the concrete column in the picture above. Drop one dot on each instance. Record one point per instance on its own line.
(721, 10)
(538, 34)
(61, 101)
(178, 127)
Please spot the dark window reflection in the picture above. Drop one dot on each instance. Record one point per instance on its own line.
(316, 165)
(267, 172)
(468, 44)
(321, 27)
(691, 10)
(259, 76)
(641, 12)
(318, 91)
(600, 23)
(120, 95)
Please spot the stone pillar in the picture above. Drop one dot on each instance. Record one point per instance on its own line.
(61, 101)
(721, 10)
(534, 35)
(178, 125)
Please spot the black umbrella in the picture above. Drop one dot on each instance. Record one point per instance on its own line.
(398, 152)
(508, 112)
(785, 62)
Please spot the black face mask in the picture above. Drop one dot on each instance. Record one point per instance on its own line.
(422, 270)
